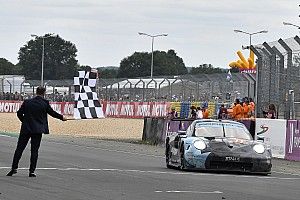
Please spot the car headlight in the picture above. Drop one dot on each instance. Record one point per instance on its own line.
(259, 148)
(199, 144)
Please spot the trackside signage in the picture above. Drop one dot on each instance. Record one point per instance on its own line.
(292, 147)
(136, 109)
(65, 108)
(111, 109)
(9, 106)
(273, 133)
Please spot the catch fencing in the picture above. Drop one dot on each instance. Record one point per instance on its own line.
(278, 77)
(184, 88)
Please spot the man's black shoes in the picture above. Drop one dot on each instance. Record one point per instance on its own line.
(31, 174)
(12, 172)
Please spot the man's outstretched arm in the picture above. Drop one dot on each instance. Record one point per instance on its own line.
(55, 114)
(20, 112)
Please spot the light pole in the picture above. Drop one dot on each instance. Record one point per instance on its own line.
(290, 24)
(250, 34)
(43, 52)
(152, 36)
(256, 76)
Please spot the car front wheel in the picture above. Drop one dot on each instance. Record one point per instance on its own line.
(168, 155)
(182, 159)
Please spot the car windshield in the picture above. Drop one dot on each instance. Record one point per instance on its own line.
(221, 129)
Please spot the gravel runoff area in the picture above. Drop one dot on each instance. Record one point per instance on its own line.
(108, 128)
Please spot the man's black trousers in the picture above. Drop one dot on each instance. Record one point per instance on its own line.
(35, 145)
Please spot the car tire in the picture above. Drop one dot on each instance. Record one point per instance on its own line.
(168, 156)
(182, 159)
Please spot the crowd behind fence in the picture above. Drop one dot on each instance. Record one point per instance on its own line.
(22, 96)
(202, 87)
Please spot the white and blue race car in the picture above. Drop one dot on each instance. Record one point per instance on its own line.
(220, 145)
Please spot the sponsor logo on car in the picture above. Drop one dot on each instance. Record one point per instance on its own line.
(232, 158)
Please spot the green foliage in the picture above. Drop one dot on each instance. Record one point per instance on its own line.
(206, 69)
(7, 68)
(139, 64)
(234, 70)
(107, 73)
(83, 68)
(59, 58)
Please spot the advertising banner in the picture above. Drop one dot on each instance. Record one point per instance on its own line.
(136, 109)
(65, 108)
(273, 133)
(9, 106)
(292, 147)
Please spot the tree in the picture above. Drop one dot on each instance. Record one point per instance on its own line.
(107, 73)
(164, 63)
(83, 68)
(206, 69)
(7, 68)
(59, 58)
(235, 70)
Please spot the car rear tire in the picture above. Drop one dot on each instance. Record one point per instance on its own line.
(168, 156)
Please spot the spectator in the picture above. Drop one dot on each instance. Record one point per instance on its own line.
(193, 114)
(271, 114)
(173, 114)
(205, 113)
(246, 109)
(199, 114)
(2, 96)
(223, 113)
(205, 104)
(237, 110)
(252, 106)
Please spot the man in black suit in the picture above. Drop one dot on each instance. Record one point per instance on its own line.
(33, 115)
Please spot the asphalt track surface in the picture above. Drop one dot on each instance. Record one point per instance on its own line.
(76, 168)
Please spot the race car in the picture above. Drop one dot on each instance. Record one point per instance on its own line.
(220, 145)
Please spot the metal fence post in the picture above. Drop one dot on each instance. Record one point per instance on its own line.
(289, 74)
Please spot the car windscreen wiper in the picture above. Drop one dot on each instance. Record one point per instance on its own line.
(224, 135)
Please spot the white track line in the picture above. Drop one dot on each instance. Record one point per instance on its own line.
(140, 154)
(193, 192)
(4, 135)
(158, 172)
(286, 173)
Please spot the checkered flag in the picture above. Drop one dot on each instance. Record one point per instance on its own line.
(87, 105)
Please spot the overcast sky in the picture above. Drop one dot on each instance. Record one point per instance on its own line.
(106, 31)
